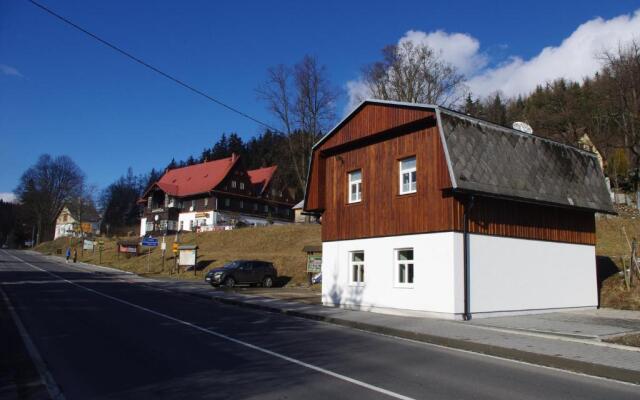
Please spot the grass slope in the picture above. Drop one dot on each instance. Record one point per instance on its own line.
(612, 245)
(281, 245)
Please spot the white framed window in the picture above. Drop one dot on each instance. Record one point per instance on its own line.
(408, 175)
(241, 185)
(356, 267)
(206, 201)
(355, 186)
(404, 267)
(227, 202)
(233, 184)
(181, 225)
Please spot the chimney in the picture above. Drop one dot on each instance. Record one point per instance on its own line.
(233, 157)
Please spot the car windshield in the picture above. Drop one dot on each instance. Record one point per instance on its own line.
(232, 265)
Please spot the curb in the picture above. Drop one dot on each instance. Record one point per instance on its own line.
(582, 367)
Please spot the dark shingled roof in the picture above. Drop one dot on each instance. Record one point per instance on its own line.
(495, 160)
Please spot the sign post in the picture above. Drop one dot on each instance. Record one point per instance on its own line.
(149, 242)
(163, 247)
(314, 261)
(100, 246)
(175, 255)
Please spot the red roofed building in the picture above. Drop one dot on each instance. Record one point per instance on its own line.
(215, 194)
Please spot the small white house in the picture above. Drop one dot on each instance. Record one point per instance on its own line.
(70, 223)
(426, 211)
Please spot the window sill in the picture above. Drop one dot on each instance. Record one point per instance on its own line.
(403, 286)
(407, 194)
(355, 203)
(354, 284)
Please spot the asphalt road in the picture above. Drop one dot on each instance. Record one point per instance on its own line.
(101, 337)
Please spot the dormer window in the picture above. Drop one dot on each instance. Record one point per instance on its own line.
(241, 185)
(355, 186)
(233, 184)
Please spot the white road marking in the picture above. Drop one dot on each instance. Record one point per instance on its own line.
(228, 338)
(45, 375)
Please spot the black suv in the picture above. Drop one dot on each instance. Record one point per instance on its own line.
(243, 271)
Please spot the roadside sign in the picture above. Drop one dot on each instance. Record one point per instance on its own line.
(149, 242)
(314, 263)
(163, 246)
(88, 244)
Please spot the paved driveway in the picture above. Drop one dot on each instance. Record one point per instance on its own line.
(589, 324)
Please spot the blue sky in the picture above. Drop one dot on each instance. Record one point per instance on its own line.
(64, 93)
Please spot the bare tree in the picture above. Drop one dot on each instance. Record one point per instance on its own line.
(415, 74)
(622, 68)
(303, 100)
(45, 187)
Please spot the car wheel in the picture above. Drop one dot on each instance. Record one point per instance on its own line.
(267, 282)
(229, 282)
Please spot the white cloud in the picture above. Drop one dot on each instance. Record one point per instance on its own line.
(574, 59)
(459, 49)
(8, 197)
(9, 70)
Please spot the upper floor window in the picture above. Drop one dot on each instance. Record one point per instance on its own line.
(227, 202)
(355, 186)
(255, 206)
(206, 201)
(193, 205)
(408, 175)
(404, 267)
(241, 203)
(241, 185)
(233, 184)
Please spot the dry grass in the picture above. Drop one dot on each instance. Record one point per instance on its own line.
(611, 243)
(627, 340)
(281, 245)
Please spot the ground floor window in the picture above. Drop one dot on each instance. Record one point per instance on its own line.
(404, 267)
(357, 267)
(149, 227)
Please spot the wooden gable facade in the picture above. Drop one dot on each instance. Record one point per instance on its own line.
(374, 139)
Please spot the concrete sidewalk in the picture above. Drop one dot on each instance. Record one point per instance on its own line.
(507, 337)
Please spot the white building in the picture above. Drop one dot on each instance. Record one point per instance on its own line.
(215, 195)
(429, 212)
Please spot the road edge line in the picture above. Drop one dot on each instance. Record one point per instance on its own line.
(45, 375)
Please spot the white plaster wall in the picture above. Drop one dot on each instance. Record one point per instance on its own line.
(510, 274)
(436, 277)
(187, 217)
(143, 227)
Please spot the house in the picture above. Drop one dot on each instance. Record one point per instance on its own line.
(73, 221)
(215, 195)
(427, 211)
(301, 217)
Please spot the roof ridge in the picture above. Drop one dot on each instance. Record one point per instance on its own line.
(512, 130)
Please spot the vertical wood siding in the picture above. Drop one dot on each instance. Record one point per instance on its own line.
(374, 140)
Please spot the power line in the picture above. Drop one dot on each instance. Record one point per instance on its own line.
(151, 67)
